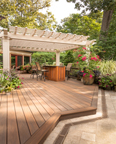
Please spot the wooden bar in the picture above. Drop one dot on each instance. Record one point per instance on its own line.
(55, 73)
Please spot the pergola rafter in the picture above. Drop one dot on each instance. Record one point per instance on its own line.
(40, 40)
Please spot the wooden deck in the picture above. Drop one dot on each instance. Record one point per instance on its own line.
(29, 114)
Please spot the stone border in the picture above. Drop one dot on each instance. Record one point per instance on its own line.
(62, 135)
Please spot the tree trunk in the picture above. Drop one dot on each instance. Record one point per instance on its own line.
(107, 15)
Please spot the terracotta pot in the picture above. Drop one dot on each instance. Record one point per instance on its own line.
(87, 80)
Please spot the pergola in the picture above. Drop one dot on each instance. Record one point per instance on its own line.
(25, 39)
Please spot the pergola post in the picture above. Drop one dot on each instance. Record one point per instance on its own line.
(57, 58)
(6, 62)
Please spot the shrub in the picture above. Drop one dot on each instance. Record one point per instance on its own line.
(9, 81)
(107, 67)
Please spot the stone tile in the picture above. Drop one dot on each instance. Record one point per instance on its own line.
(75, 130)
(72, 140)
(88, 136)
(73, 136)
(53, 135)
(106, 132)
(82, 141)
(89, 127)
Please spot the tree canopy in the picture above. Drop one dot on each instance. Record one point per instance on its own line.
(26, 13)
(82, 25)
(94, 6)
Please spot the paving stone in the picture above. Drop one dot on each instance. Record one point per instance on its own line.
(72, 140)
(88, 136)
(89, 127)
(82, 141)
(73, 136)
(101, 131)
(75, 130)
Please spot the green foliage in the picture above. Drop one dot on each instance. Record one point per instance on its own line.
(81, 25)
(107, 67)
(105, 81)
(43, 57)
(69, 58)
(87, 61)
(9, 81)
(108, 43)
(113, 78)
(26, 13)
(94, 6)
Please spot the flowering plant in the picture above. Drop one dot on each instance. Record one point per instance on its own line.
(9, 81)
(87, 61)
(105, 81)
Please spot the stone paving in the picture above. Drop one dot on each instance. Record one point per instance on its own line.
(94, 129)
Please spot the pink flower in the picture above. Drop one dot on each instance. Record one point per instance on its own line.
(84, 48)
(53, 58)
(94, 58)
(22, 78)
(84, 74)
(97, 66)
(21, 83)
(18, 87)
(82, 71)
(97, 56)
(106, 85)
(90, 76)
(77, 62)
(19, 78)
(79, 55)
(84, 58)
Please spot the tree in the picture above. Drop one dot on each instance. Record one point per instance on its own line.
(26, 13)
(69, 58)
(93, 6)
(108, 43)
(43, 57)
(82, 25)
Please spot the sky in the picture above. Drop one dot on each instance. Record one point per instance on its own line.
(62, 9)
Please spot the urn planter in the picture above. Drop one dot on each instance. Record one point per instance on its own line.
(87, 80)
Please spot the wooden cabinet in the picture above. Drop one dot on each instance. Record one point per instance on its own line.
(55, 73)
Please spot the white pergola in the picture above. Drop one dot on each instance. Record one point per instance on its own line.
(39, 40)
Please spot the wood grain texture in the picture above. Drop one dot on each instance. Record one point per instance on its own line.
(30, 113)
(55, 73)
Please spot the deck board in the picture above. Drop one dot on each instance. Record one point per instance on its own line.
(30, 113)
(23, 129)
(13, 137)
(3, 120)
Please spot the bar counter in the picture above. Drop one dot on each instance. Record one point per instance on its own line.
(55, 73)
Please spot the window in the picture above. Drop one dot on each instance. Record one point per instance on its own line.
(12, 61)
(26, 60)
(19, 60)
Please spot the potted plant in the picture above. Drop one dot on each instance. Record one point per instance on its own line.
(87, 61)
(88, 76)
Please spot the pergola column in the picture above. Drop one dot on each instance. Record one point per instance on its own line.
(6, 58)
(57, 58)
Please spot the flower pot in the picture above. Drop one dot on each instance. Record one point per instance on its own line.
(87, 80)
